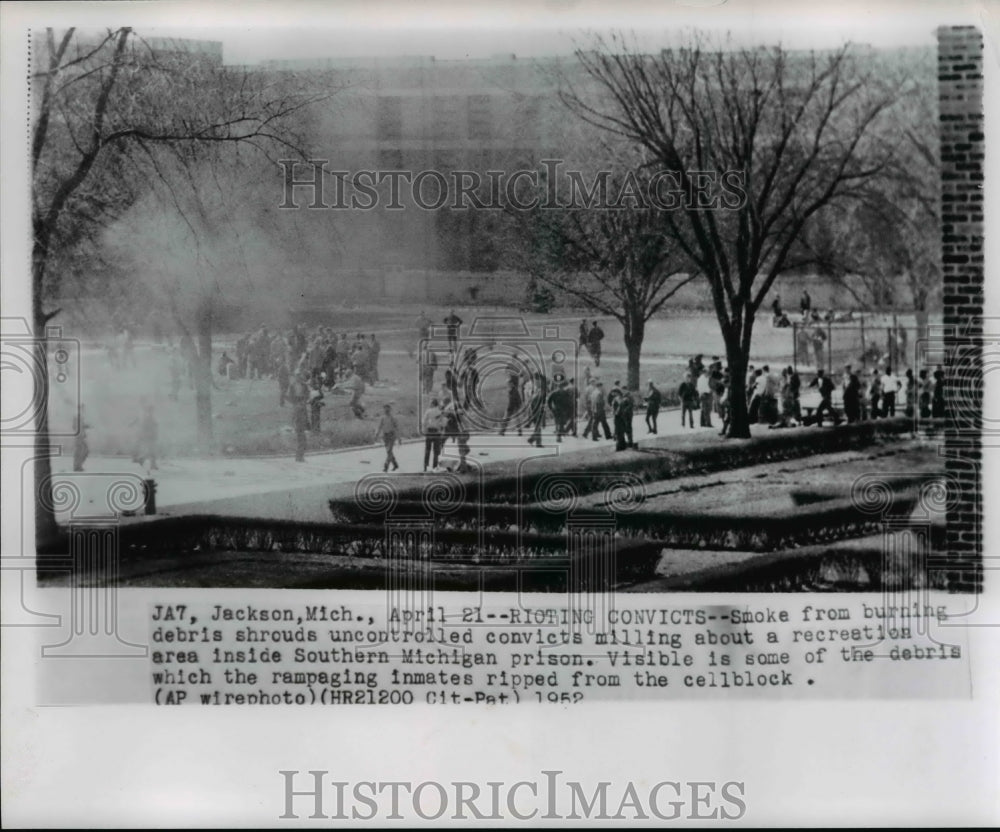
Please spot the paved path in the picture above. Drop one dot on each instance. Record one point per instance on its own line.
(183, 481)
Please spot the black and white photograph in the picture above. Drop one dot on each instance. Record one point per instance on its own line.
(500, 359)
(688, 285)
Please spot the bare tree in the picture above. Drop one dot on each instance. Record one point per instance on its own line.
(789, 133)
(890, 233)
(617, 257)
(103, 101)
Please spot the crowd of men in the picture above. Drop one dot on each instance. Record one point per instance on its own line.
(532, 402)
(307, 362)
(322, 355)
(774, 397)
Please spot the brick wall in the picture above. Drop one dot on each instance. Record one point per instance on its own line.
(960, 94)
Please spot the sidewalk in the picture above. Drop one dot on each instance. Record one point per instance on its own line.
(188, 481)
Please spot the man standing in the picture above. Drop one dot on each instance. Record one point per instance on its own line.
(852, 399)
(588, 412)
(616, 391)
(469, 378)
(595, 336)
(725, 408)
(653, 401)
(715, 382)
(298, 395)
(688, 394)
(514, 402)
(939, 405)
(623, 412)
(454, 327)
(769, 397)
(388, 432)
(875, 393)
(776, 308)
(750, 383)
(794, 392)
(598, 414)
(557, 403)
(890, 387)
(704, 390)
(818, 344)
(805, 305)
(696, 366)
(432, 424)
(536, 409)
(374, 348)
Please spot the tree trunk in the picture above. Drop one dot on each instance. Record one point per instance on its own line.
(923, 330)
(739, 418)
(46, 528)
(738, 357)
(203, 377)
(635, 332)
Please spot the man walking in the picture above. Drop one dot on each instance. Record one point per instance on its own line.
(599, 417)
(653, 401)
(826, 387)
(623, 413)
(453, 325)
(388, 432)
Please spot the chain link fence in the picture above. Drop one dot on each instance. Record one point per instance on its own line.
(863, 341)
